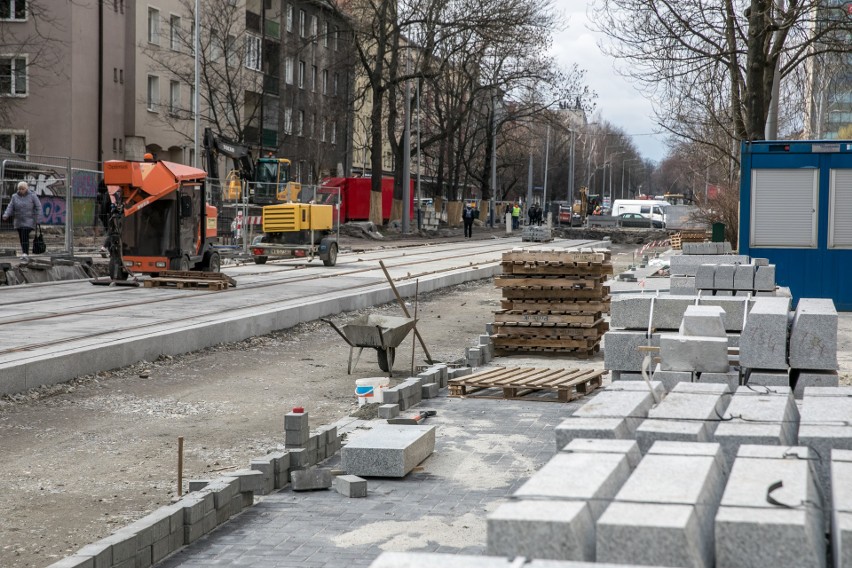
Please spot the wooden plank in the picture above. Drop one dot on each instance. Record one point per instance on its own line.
(558, 268)
(197, 275)
(581, 307)
(551, 332)
(556, 294)
(591, 283)
(596, 256)
(544, 317)
(502, 342)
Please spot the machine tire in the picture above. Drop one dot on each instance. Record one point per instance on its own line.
(386, 358)
(214, 263)
(331, 258)
(260, 259)
(116, 269)
(181, 264)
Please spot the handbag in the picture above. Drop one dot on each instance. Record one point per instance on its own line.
(38, 242)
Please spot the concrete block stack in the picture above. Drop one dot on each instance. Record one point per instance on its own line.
(756, 278)
(705, 248)
(684, 267)
(429, 219)
(554, 301)
(406, 394)
(388, 450)
(751, 530)
(306, 449)
(537, 234)
(552, 515)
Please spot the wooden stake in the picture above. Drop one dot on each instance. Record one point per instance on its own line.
(405, 310)
(180, 466)
(416, 292)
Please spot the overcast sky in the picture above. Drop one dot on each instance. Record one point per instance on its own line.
(618, 101)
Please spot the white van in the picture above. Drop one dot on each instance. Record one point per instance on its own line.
(655, 209)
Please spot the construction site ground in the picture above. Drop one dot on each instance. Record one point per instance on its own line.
(86, 458)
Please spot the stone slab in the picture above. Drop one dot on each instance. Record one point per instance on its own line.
(763, 344)
(813, 335)
(670, 379)
(621, 349)
(682, 285)
(687, 265)
(702, 354)
(705, 277)
(438, 560)
(735, 309)
(596, 428)
(764, 278)
(388, 450)
(703, 321)
(603, 474)
(556, 530)
(758, 416)
(350, 486)
(744, 277)
(689, 413)
(841, 507)
(751, 531)
(632, 405)
(731, 378)
(595, 446)
(825, 426)
(723, 279)
(310, 479)
(804, 379)
(767, 378)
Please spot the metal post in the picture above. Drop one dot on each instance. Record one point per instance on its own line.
(571, 173)
(622, 179)
(69, 210)
(419, 193)
(196, 43)
(493, 159)
(546, 156)
(530, 180)
(406, 161)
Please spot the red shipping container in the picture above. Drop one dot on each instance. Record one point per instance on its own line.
(355, 196)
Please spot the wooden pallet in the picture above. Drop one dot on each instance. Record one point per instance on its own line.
(196, 275)
(565, 306)
(578, 353)
(557, 294)
(181, 283)
(546, 317)
(550, 283)
(595, 256)
(519, 382)
(554, 332)
(558, 268)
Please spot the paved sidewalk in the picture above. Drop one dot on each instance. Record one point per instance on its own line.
(484, 450)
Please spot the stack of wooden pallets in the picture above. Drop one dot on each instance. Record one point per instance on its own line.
(553, 301)
(688, 236)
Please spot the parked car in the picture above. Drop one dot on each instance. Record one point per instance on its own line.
(636, 220)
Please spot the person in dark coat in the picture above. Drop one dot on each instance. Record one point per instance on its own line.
(25, 207)
(103, 207)
(468, 215)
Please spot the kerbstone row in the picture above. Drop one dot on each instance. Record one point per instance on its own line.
(438, 560)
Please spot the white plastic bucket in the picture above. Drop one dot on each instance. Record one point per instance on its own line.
(370, 390)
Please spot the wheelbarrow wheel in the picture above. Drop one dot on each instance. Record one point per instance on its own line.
(386, 358)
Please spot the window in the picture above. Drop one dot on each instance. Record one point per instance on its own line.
(216, 47)
(336, 38)
(114, 146)
(312, 125)
(192, 38)
(192, 100)
(289, 17)
(336, 78)
(840, 207)
(115, 74)
(153, 92)
(121, 6)
(325, 32)
(288, 121)
(120, 150)
(174, 97)
(13, 9)
(324, 127)
(784, 208)
(334, 133)
(314, 29)
(115, 6)
(14, 141)
(314, 78)
(153, 26)
(301, 74)
(325, 81)
(231, 55)
(302, 17)
(253, 53)
(174, 33)
(300, 123)
(121, 76)
(13, 76)
(288, 70)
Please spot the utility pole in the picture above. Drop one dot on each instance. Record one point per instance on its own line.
(546, 159)
(196, 42)
(571, 171)
(406, 159)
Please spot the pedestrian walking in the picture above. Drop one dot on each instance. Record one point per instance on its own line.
(468, 215)
(26, 209)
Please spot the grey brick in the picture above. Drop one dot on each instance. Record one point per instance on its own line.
(350, 486)
(296, 438)
(296, 421)
(74, 561)
(429, 390)
(251, 480)
(388, 411)
(266, 466)
(311, 479)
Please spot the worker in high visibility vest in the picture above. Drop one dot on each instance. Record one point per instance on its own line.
(516, 216)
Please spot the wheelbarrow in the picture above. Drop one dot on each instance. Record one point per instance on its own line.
(382, 333)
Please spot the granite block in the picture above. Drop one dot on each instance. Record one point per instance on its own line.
(682, 285)
(388, 450)
(429, 390)
(687, 265)
(764, 278)
(671, 378)
(763, 344)
(689, 413)
(703, 321)
(632, 405)
(603, 474)
(388, 411)
(629, 311)
(310, 479)
(744, 277)
(681, 353)
(297, 421)
(597, 428)
(751, 531)
(723, 278)
(705, 277)
(758, 416)
(804, 379)
(813, 335)
(731, 378)
(841, 507)
(825, 426)
(555, 530)
(621, 349)
(760, 377)
(735, 309)
(597, 446)
(350, 486)
(618, 376)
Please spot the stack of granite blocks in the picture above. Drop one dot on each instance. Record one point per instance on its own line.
(689, 413)
(813, 345)
(826, 426)
(664, 514)
(841, 507)
(700, 346)
(537, 234)
(683, 269)
(306, 449)
(771, 511)
(706, 248)
(552, 516)
(737, 279)
(615, 412)
(632, 317)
